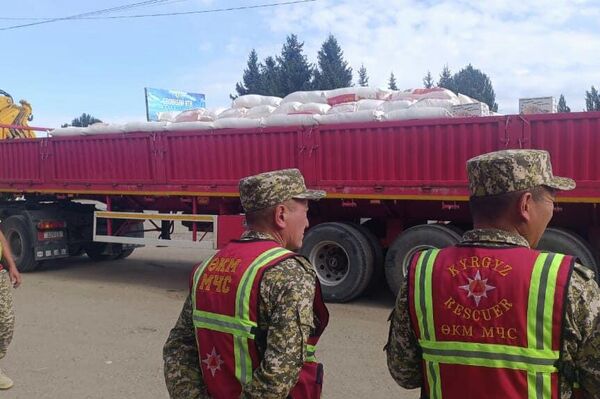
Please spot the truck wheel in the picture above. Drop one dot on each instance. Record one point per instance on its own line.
(97, 251)
(376, 252)
(125, 253)
(410, 241)
(342, 257)
(566, 242)
(18, 236)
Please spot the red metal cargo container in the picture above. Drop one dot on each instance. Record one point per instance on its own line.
(389, 176)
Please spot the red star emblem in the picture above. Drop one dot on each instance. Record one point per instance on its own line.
(477, 288)
(213, 361)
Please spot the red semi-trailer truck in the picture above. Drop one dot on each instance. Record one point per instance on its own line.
(393, 188)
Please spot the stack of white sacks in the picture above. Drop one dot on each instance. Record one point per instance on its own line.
(308, 108)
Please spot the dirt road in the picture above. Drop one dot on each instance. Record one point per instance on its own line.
(96, 330)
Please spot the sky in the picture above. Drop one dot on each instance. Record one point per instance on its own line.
(531, 48)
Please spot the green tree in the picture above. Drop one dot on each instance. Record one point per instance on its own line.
(363, 79)
(392, 82)
(475, 84)
(270, 78)
(332, 70)
(251, 81)
(445, 80)
(295, 70)
(562, 105)
(428, 81)
(82, 121)
(592, 100)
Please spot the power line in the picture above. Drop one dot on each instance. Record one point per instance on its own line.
(134, 5)
(88, 16)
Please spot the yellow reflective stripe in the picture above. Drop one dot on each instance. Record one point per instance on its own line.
(490, 355)
(242, 308)
(540, 306)
(532, 303)
(548, 308)
(429, 292)
(539, 385)
(433, 379)
(243, 361)
(419, 311)
(310, 353)
(424, 312)
(424, 294)
(222, 323)
(196, 277)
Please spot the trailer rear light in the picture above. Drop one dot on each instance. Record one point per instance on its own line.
(51, 224)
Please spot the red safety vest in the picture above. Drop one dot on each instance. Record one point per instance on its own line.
(489, 321)
(225, 296)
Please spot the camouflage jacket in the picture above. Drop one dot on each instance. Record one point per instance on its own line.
(286, 316)
(581, 333)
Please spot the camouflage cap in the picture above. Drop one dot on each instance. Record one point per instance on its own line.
(512, 170)
(271, 188)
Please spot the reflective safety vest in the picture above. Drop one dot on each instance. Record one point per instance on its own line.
(489, 321)
(225, 296)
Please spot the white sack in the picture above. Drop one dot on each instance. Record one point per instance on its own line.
(144, 126)
(288, 108)
(417, 113)
(177, 127)
(167, 116)
(236, 123)
(363, 105)
(343, 108)
(433, 102)
(104, 128)
(255, 100)
(67, 131)
(312, 108)
(389, 106)
(233, 113)
(291, 120)
(260, 111)
(351, 117)
(304, 97)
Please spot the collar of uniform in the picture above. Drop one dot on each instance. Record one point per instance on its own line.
(493, 236)
(256, 235)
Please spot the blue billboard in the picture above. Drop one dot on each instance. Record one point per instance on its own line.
(163, 100)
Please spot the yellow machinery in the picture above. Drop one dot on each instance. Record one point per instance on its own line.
(14, 115)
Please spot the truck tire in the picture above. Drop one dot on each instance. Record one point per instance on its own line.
(342, 257)
(567, 242)
(410, 241)
(18, 235)
(376, 252)
(125, 253)
(96, 252)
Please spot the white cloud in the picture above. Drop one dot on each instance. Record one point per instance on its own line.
(528, 48)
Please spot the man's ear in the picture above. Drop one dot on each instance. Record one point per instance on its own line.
(524, 206)
(280, 216)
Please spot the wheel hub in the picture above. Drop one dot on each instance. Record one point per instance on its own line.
(330, 261)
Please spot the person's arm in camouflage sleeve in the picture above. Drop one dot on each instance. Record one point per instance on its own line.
(582, 330)
(287, 292)
(403, 353)
(180, 353)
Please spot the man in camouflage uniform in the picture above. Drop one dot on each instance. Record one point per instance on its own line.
(9, 278)
(276, 205)
(501, 184)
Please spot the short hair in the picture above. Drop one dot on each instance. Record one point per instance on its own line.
(491, 207)
(259, 217)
